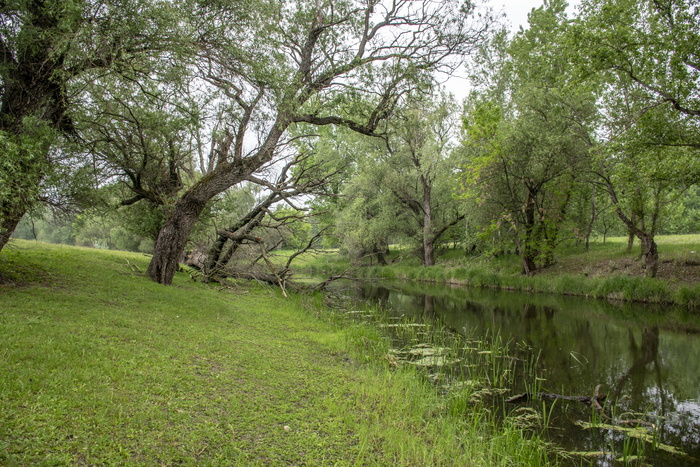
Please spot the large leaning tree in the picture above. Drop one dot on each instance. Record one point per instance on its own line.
(278, 64)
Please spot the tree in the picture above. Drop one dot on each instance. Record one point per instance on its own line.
(46, 48)
(645, 55)
(319, 63)
(419, 166)
(302, 175)
(33, 57)
(643, 180)
(368, 215)
(526, 141)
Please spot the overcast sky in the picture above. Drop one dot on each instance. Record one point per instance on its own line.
(517, 10)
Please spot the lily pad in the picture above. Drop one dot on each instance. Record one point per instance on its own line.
(639, 433)
(434, 360)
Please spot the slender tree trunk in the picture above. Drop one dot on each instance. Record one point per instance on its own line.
(215, 260)
(428, 240)
(632, 231)
(630, 241)
(591, 223)
(650, 254)
(528, 251)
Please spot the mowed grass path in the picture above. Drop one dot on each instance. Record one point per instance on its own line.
(99, 365)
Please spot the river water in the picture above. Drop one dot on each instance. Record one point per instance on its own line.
(646, 359)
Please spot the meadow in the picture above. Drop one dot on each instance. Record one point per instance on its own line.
(100, 365)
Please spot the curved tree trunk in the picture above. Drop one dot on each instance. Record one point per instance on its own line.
(428, 239)
(650, 253)
(529, 250)
(172, 239)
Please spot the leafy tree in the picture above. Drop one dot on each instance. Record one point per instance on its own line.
(33, 53)
(48, 50)
(369, 215)
(645, 55)
(419, 167)
(644, 181)
(403, 188)
(281, 64)
(526, 141)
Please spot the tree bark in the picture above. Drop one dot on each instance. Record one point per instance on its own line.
(528, 251)
(172, 238)
(650, 254)
(591, 223)
(7, 226)
(428, 241)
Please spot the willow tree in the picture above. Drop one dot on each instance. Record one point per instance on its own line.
(419, 165)
(646, 55)
(48, 48)
(526, 142)
(275, 65)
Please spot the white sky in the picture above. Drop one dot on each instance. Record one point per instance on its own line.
(516, 15)
(517, 10)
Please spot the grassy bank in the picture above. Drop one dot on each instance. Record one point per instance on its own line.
(607, 270)
(99, 365)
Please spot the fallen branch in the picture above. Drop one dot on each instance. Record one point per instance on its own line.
(594, 400)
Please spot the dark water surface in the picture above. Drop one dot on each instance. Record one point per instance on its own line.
(646, 359)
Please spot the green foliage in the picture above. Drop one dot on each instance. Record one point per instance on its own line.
(404, 189)
(23, 166)
(524, 145)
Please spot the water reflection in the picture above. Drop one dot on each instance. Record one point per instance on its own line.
(646, 359)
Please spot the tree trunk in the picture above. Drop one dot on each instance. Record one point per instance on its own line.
(591, 223)
(380, 253)
(172, 239)
(428, 240)
(650, 254)
(7, 226)
(251, 220)
(630, 241)
(529, 250)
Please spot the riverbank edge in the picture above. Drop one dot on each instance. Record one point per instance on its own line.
(617, 288)
(161, 356)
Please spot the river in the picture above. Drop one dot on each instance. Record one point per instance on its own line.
(646, 360)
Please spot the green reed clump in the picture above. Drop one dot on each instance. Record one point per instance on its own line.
(689, 296)
(631, 288)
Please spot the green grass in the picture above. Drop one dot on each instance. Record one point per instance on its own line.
(99, 365)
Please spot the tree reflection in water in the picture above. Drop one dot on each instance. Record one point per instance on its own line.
(649, 366)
